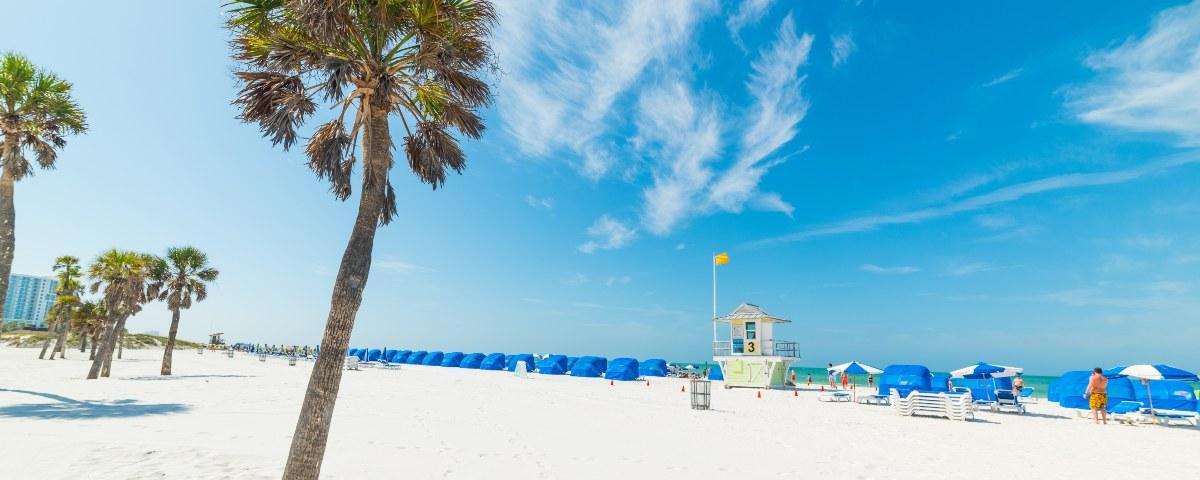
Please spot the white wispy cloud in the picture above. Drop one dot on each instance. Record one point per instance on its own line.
(1000, 195)
(898, 270)
(536, 202)
(995, 221)
(842, 45)
(1007, 77)
(748, 13)
(970, 268)
(683, 131)
(565, 65)
(607, 233)
(1149, 241)
(680, 246)
(395, 265)
(778, 109)
(1151, 83)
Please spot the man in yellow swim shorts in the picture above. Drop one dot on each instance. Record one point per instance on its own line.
(1097, 395)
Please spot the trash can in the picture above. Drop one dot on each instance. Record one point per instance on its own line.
(229, 353)
(291, 361)
(262, 357)
(701, 394)
(199, 351)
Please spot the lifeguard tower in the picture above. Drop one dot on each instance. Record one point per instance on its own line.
(216, 341)
(752, 357)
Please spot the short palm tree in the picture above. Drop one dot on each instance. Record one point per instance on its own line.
(122, 276)
(37, 113)
(69, 289)
(416, 61)
(90, 322)
(177, 279)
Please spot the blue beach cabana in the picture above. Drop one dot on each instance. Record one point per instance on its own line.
(571, 362)
(904, 379)
(715, 373)
(452, 359)
(552, 365)
(374, 354)
(401, 356)
(361, 354)
(589, 367)
(494, 361)
(510, 362)
(433, 359)
(471, 360)
(622, 369)
(353, 352)
(1068, 390)
(653, 367)
(415, 358)
(939, 382)
(1168, 395)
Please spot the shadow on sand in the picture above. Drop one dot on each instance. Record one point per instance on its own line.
(71, 409)
(184, 377)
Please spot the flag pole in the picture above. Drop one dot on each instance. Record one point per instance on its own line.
(713, 260)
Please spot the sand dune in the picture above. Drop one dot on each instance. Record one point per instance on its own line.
(232, 418)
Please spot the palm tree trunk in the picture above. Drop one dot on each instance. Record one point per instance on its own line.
(95, 342)
(312, 428)
(120, 344)
(106, 344)
(46, 345)
(166, 365)
(61, 345)
(82, 341)
(8, 228)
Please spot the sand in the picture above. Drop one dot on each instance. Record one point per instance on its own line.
(232, 418)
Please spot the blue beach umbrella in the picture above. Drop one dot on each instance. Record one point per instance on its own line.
(986, 370)
(855, 368)
(1146, 373)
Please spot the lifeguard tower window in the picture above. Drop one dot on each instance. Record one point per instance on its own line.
(750, 331)
(739, 345)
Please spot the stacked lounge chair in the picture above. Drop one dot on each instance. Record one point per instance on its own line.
(948, 405)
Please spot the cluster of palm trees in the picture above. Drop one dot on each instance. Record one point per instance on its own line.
(126, 281)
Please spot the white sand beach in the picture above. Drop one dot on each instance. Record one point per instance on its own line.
(232, 418)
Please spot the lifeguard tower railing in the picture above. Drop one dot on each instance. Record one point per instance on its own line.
(778, 348)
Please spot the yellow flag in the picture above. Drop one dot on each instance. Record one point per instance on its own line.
(721, 258)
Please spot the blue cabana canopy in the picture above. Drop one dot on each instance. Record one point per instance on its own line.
(589, 367)
(715, 373)
(471, 360)
(493, 361)
(984, 388)
(361, 354)
(353, 352)
(1068, 390)
(433, 359)
(401, 356)
(622, 369)
(571, 362)
(653, 367)
(510, 363)
(415, 358)
(452, 359)
(552, 365)
(374, 354)
(904, 379)
(940, 382)
(1167, 395)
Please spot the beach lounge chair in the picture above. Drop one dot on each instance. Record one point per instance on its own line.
(352, 363)
(880, 397)
(954, 406)
(1027, 395)
(1006, 401)
(834, 396)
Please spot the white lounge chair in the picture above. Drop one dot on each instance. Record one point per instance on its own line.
(1006, 401)
(954, 406)
(834, 396)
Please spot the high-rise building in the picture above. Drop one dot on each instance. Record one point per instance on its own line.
(29, 299)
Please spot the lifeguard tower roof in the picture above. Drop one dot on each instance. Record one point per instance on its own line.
(752, 312)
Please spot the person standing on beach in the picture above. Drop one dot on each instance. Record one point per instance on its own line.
(810, 380)
(1097, 395)
(829, 370)
(870, 380)
(1018, 384)
(845, 381)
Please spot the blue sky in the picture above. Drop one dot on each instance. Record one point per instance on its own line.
(938, 184)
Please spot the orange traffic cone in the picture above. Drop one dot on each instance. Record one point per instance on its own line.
(682, 389)
(760, 394)
(822, 388)
(647, 383)
(795, 393)
(610, 383)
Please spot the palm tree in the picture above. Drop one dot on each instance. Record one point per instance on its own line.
(88, 318)
(419, 61)
(67, 302)
(122, 275)
(37, 113)
(177, 279)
